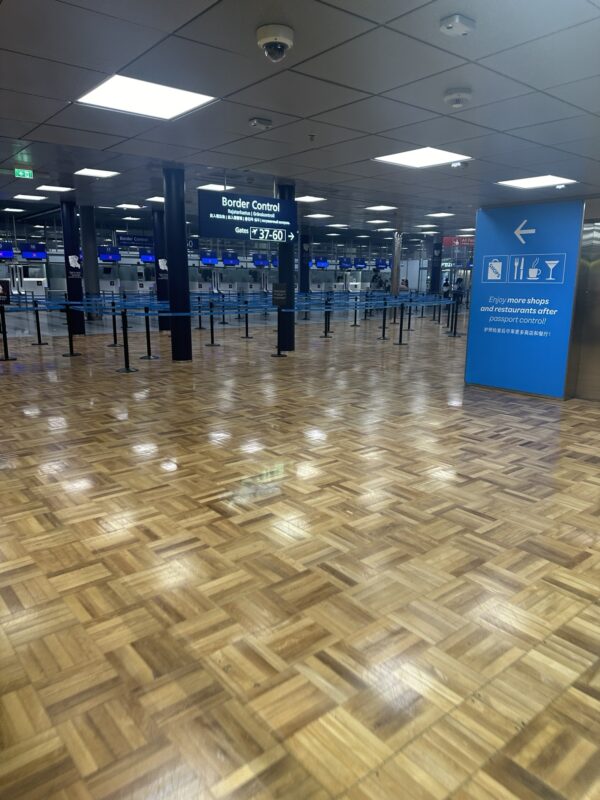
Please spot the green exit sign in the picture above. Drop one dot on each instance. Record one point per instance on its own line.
(23, 173)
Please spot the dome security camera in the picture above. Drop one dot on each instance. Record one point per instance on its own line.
(275, 41)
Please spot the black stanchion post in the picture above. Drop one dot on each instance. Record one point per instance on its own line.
(401, 328)
(366, 303)
(6, 355)
(448, 315)
(212, 342)
(126, 368)
(355, 323)
(439, 314)
(113, 311)
(325, 334)
(408, 328)
(422, 310)
(148, 356)
(223, 320)
(247, 335)
(71, 353)
(200, 327)
(394, 322)
(383, 337)
(38, 329)
(279, 354)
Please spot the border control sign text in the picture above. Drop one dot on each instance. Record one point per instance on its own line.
(223, 215)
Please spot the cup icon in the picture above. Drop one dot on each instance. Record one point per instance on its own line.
(533, 273)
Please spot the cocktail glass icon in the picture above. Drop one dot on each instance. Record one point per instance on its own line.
(551, 265)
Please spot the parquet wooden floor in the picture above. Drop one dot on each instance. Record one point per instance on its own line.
(339, 574)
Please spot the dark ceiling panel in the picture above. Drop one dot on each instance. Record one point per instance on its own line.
(65, 33)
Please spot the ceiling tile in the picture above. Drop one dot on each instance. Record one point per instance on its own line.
(569, 55)
(154, 13)
(507, 114)
(293, 94)
(197, 67)
(62, 32)
(190, 132)
(14, 128)
(485, 87)
(500, 25)
(378, 61)
(70, 136)
(39, 76)
(259, 149)
(437, 131)
(585, 94)
(211, 158)
(378, 10)
(156, 150)
(306, 134)
(102, 121)
(316, 26)
(588, 147)
(28, 107)
(562, 130)
(375, 115)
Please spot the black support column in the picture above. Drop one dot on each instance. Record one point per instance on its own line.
(303, 264)
(286, 321)
(68, 216)
(435, 281)
(160, 264)
(89, 246)
(176, 249)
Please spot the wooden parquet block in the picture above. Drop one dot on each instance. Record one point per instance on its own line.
(338, 575)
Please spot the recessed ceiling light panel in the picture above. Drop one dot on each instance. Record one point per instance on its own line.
(422, 157)
(377, 221)
(96, 173)
(309, 198)
(538, 182)
(216, 187)
(380, 208)
(441, 214)
(45, 188)
(14, 210)
(155, 199)
(33, 197)
(127, 206)
(318, 216)
(147, 99)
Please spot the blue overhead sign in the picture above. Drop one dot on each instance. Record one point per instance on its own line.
(522, 296)
(134, 240)
(223, 215)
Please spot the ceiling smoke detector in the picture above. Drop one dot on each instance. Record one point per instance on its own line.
(457, 98)
(457, 25)
(261, 123)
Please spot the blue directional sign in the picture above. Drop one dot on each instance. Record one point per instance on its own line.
(224, 215)
(522, 294)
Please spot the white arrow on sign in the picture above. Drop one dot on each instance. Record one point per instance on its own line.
(291, 237)
(521, 231)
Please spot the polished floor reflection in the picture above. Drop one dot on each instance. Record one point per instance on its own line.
(340, 574)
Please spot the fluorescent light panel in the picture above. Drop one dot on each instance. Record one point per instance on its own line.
(381, 208)
(422, 157)
(467, 230)
(377, 221)
(309, 198)
(539, 182)
(385, 230)
(127, 206)
(45, 188)
(337, 225)
(318, 216)
(143, 97)
(132, 219)
(155, 199)
(96, 173)
(14, 210)
(333, 234)
(441, 214)
(363, 236)
(427, 225)
(34, 197)
(215, 187)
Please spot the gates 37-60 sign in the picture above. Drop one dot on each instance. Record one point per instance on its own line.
(223, 215)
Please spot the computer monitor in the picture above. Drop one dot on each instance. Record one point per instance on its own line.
(146, 255)
(108, 253)
(33, 252)
(6, 250)
(209, 258)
